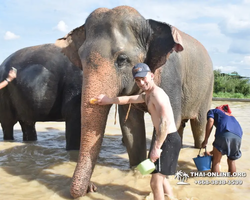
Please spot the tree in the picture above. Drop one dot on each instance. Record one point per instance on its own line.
(232, 83)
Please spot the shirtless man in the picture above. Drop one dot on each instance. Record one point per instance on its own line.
(166, 142)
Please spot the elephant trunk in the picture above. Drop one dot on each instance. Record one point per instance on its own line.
(93, 123)
(91, 141)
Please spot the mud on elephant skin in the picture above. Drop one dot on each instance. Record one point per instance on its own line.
(106, 47)
(47, 88)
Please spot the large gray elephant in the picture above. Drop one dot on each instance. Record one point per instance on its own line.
(106, 47)
(47, 88)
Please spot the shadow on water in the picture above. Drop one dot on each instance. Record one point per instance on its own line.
(186, 166)
(39, 160)
(126, 192)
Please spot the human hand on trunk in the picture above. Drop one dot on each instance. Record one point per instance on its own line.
(101, 99)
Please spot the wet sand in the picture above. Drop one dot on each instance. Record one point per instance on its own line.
(42, 170)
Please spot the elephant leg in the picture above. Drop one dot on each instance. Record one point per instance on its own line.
(181, 129)
(134, 134)
(7, 126)
(29, 131)
(71, 111)
(73, 132)
(152, 140)
(198, 129)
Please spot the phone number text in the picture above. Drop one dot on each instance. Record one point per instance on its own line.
(218, 182)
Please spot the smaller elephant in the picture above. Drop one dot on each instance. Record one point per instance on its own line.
(47, 88)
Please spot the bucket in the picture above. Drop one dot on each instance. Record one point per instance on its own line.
(146, 167)
(203, 163)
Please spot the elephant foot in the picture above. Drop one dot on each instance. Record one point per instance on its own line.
(72, 147)
(29, 131)
(8, 137)
(123, 143)
(30, 139)
(197, 145)
(91, 187)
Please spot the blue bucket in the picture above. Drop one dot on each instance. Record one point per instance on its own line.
(203, 163)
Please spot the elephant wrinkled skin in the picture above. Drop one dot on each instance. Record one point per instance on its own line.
(47, 88)
(106, 47)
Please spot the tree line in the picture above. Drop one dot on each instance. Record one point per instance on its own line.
(231, 85)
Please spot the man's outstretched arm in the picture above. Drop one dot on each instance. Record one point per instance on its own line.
(103, 99)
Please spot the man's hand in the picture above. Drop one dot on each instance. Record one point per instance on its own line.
(208, 153)
(101, 99)
(155, 154)
(11, 75)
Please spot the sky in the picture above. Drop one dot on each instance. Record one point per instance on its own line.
(222, 26)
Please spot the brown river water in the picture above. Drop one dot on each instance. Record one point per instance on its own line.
(42, 170)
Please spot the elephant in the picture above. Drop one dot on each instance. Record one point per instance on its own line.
(47, 88)
(106, 47)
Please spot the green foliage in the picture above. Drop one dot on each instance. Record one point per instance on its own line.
(229, 95)
(230, 85)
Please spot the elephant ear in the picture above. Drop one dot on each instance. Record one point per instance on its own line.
(71, 43)
(163, 41)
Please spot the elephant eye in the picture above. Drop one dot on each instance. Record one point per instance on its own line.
(122, 61)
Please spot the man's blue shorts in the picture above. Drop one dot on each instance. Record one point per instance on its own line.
(228, 144)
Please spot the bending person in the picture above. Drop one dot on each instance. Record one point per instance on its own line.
(227, 137)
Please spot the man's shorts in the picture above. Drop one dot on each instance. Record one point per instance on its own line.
(167, 162)
(228, 144)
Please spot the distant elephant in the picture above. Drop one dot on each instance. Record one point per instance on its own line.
(47, 88)
(106, 47)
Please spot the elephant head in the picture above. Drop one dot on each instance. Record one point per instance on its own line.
(107, 47)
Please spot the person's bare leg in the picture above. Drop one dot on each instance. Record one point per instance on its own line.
(167, 188)
(231, 166)
(156, 183)
(216, 160)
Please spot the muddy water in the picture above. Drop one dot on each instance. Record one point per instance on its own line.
(42, 170)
